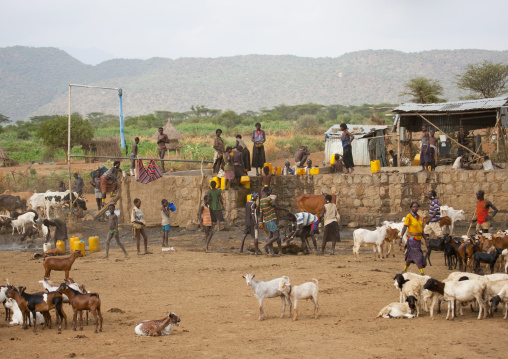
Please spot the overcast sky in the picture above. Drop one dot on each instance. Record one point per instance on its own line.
(96, 30)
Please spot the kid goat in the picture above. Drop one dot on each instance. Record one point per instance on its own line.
(155, 328)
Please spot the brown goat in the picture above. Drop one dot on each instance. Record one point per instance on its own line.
(80, 302)
(3, 290)
(444, 221)
(155, 328)
(466, 251)
(392, 234)
(60, 264)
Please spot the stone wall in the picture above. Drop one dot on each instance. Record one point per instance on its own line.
(364, 198)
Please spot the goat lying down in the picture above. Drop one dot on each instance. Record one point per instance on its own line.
(399, 310)
(156, 328)
(17, 316)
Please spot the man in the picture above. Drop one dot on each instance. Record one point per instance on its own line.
(433, 229)
(162, 139)
(61, 186)
(109, 180)
(60, 230)
(78, 184)
(482, 212)
(425, 151)
(268, 215)
(134, 154)
(306, 226)
(301, 156)
(219, 149)
(251, 223)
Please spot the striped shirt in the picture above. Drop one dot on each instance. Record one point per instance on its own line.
(434, 209)
(305, 218)
(205, 216)
(266, 206)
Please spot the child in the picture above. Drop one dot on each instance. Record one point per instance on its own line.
(166, 206)
(216, 204)
(338, 164)
(266, 177)
(229, 168)
(138, 224)
(113, 231)
(308, 167)
(205, 220)
(251, 223)
(287, 169)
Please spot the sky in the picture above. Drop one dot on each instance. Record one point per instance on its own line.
(95, 31)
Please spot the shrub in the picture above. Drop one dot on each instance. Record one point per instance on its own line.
(23, 135)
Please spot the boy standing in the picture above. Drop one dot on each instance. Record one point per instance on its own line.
(113, 231)
(205, 220)
(134, 154)
(268, 215)
(78, 184)
(251, 223)
(216, 204)
(266, 177)
(138, 226)
(166, 221)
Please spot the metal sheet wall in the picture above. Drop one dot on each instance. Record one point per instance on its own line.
(360, 149)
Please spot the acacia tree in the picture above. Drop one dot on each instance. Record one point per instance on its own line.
(4, 119)
(487, 79)
(423, 90)
(53, 133)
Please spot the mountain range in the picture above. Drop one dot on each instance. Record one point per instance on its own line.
(34, 81)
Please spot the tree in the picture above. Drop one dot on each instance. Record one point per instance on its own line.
(4, 119)
(53, 132)
(423, 90)
(487, 79)
(40, 119)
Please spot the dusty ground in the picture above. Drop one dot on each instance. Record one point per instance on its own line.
(219, 312)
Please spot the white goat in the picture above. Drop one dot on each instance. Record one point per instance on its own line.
(17, 316)
(410, 287)
(21, 222)
(269, 289)
(398, 310)
(464, 291)
(376, 237)
(491, 290)
(454, 214)
(308, 290)
(157, 328)
(502, 296)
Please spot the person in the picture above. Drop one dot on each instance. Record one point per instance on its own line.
(372, 149)
(229, 168)
(395, 159)
(425, 151)
(347, 151)
(162, 139)
(258, 151)
(166, 220)
(330, 217)
(78, 184)
(251, 223)
(266, 177)
(109, 180)
(138, 226)
(301, 156)
(287, 169)
(433, 228)
(216, 204)
(134, 155)
(413, 225)
(267, 207)
(96, 184)
(60, 230)
(205, 220)
(337, 166)
(482, 218)
(308, 167)
(113, 231)
(245, 153)
(238, 166)
(306, 226)
(433, 149)
(218, 146)
(61, 186)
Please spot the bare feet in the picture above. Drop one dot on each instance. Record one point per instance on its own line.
(148, 252)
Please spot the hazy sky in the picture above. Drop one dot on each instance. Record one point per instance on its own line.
(213, 28)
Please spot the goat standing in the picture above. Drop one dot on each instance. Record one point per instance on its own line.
(80, 302)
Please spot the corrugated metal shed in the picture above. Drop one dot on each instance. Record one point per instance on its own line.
(466, 105)
(358, 131)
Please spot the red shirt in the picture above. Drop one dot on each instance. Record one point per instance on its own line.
(482, 212)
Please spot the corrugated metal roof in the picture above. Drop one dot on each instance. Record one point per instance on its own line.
(466, 105)
(357, 130)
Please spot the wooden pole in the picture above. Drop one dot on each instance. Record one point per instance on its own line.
(399, 157)
(69, 145)
(471, 224)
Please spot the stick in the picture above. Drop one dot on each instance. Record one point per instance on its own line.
(471, 224)
(105, 208)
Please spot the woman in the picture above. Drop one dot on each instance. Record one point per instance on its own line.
(258, 151)
(425, 157)
(229, 168)
(330, 215)
(347, 153)
(239, 166)
(218, 146)
(413, 224)
(108, 182)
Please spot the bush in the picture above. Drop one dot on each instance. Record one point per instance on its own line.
(23, 135)
(308, 124)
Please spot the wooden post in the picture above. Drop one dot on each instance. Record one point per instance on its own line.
(399, 157)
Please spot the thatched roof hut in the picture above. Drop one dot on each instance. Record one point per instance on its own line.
(173, 134)
(102, 147)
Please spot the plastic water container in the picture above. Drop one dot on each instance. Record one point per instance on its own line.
(94, 244)
(46, 247)
(332, 160)
(375, 166)
(80, 246)
(217, 182)
(172, 207)
(269, 167)
(60, 245)
(223, 184)
(72, 243)
(314, 171)
(249, 197)
(416, 161)
(245, 181)
(278, 171)
(300, 171)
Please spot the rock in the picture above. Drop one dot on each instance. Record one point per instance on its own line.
(191, 226)
(353, 225)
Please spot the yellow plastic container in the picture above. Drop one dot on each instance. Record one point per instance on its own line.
(60, 245)
(314, 171)
(269, 167)
(245, 181)
(278, 171)
(249, 197)
(94, 244)
(223, 184)
(416, 162)
(72, 243)
(80, 246)
(332, 160)
(300, 171)
(217, 182)
(375, 166)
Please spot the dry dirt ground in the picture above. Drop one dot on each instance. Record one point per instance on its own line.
(219, 312)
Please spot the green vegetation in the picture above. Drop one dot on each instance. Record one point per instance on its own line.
(423, 90)
(487, 79)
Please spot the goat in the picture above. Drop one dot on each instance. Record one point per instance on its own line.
(411, 286)
(80, 302)
(155, 328)
(375, 237)
(269, 289)
(399, 310)
(502, 296)
(308, 290)
(60, 264)
(392, 234)
(17, 316)
(450, 251)
(454, 214)
(20, 221)
(437, 245)
(505, 255)
(492, 288)
(398, 226)
(490, 259)
(3, 298)
(466, 251)
(463, 291)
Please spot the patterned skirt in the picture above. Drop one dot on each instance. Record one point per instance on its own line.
(414, 253)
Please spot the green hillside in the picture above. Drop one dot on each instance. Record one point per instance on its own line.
(35, 80)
